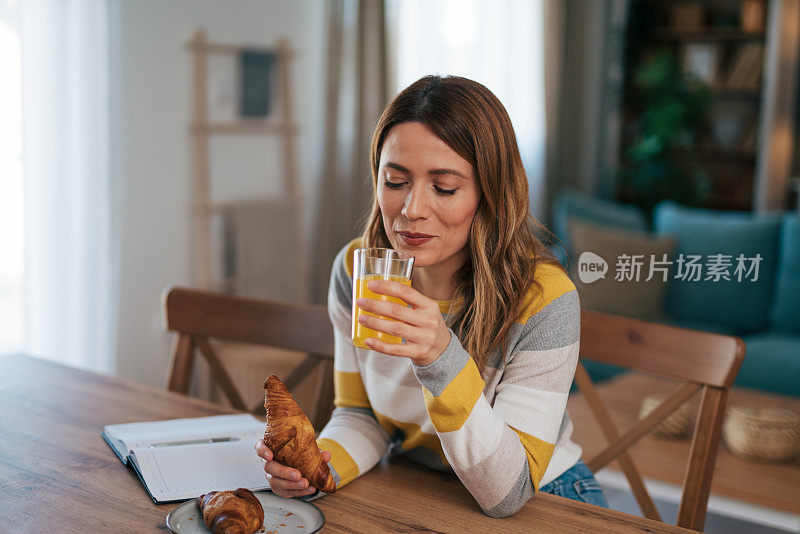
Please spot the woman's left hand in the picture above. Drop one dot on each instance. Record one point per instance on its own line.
(422, 325)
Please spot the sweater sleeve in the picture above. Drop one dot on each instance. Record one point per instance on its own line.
(501, 449)
(353, 435)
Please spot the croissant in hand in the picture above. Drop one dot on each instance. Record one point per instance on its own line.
(231, 512)
(290, 436)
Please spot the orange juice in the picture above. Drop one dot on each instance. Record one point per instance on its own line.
(361, 332)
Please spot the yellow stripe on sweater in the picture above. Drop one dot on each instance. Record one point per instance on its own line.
(538, 452)
(554, 282)
(413, 436)
(340, 459)
(450, 410)
(348, 256)
(349, 390)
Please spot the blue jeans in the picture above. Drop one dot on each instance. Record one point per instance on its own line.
(577, 483)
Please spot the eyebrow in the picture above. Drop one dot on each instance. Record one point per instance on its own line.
(434, 172)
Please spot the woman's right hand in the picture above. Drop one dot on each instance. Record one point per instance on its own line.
(283, 480)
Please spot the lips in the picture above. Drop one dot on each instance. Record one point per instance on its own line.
(415, 239)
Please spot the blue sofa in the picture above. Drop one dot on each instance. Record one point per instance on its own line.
(765, 313)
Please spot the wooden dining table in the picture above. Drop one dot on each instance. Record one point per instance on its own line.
(58, 475)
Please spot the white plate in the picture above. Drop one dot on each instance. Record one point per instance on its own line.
(280, 516)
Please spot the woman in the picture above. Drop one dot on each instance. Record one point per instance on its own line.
(492, 329)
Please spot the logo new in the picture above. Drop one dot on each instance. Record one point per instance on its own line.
(591, 267)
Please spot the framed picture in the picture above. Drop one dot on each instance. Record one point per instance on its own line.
(255, 71)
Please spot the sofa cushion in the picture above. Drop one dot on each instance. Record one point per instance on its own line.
(634, 298)
(772, 363)
(742, 303)
(785, 315)
(573, 205)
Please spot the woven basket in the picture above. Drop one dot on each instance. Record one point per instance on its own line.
(676, 425)
(762, 433)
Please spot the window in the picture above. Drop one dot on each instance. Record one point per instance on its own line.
(499, 43)
(11, 214)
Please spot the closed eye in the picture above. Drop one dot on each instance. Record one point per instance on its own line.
(398, 185)
(393, 185)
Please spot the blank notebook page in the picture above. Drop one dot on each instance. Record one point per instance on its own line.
(188, 471)
(135, 435)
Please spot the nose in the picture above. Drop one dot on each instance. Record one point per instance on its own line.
(416, 205)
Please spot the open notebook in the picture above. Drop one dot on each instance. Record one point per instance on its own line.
(181, 459)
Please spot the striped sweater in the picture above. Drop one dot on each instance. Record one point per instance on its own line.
(504, 433)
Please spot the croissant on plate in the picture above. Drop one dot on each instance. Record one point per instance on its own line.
(231, 512)
(290, 436)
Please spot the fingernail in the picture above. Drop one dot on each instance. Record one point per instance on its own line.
(361, 301)
(372, 285)
(370, 342)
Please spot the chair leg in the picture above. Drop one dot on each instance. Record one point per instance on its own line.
(181, 364)
(301, 371)
(314, 414)
(703, 455)
(220, 375)
(603, 418)
(325, 395)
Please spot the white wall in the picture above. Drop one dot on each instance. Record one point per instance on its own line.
(150, 104)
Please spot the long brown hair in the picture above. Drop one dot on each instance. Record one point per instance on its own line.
(495, 282)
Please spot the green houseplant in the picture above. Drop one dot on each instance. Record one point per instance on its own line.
(669, 110)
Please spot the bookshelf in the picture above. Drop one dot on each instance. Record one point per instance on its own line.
(738, 62)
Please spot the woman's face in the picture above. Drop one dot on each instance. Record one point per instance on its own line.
(428, 195)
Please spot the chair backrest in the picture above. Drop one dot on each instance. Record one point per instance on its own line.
(197, 315)
(704, 361)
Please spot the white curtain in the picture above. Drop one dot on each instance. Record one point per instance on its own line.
(356, 93)
(69, 270)
(11, 246)
(499, 43)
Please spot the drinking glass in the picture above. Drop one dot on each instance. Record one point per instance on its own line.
(377, 264)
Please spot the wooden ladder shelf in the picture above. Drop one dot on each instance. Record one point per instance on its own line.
(201, 129)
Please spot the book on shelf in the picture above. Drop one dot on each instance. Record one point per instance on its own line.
(752, 15)
(181, 459)
(688, 15)
(745, 68)
(756, 71)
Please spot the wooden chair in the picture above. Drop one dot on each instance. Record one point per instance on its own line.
(705, 362)
(196, 316)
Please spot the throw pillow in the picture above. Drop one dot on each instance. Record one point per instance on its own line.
(623, 295)
(569, 205)
(736, 300)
